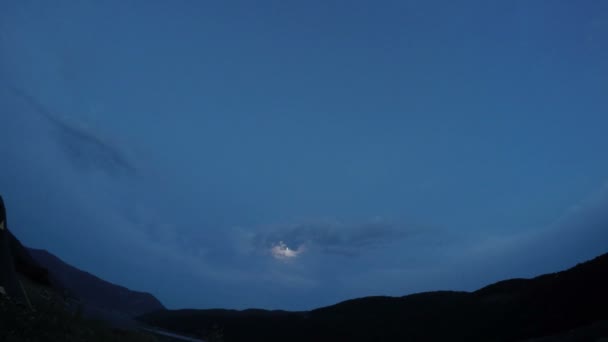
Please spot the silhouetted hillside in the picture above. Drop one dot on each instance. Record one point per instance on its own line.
(15, 260)
(95, 293)
(26, 265)
(511, 310)
(34, 304)
(50, 319)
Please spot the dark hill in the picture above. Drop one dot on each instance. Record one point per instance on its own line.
(36, 305)
(96, 294)
(510, 310)
(27, 266)
(15, 260)
(98, 297)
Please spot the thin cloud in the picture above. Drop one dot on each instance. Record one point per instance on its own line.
(329, 237)
(82, 147)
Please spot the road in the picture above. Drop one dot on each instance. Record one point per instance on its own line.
(172, 335)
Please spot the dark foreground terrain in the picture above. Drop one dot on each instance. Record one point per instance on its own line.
(99, 298)
(567, 306)
(46, 316)
(44, 299)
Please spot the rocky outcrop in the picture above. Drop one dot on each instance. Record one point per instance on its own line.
(9, 284)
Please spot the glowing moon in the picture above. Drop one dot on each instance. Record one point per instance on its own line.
(283, 252)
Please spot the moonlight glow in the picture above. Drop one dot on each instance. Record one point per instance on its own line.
(282, 252)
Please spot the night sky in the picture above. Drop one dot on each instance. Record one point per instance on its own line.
(293, 154)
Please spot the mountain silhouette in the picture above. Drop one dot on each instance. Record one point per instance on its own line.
(15, 260)
(99, 297)
(570, 305)
(9, 284)
(96, 297)
(511, 310)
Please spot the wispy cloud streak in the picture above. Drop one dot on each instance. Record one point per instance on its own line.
(83, 148)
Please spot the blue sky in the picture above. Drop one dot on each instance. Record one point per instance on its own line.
(293, 154)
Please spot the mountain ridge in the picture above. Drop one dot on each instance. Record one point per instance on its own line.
(508, 310)
(95, 292)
